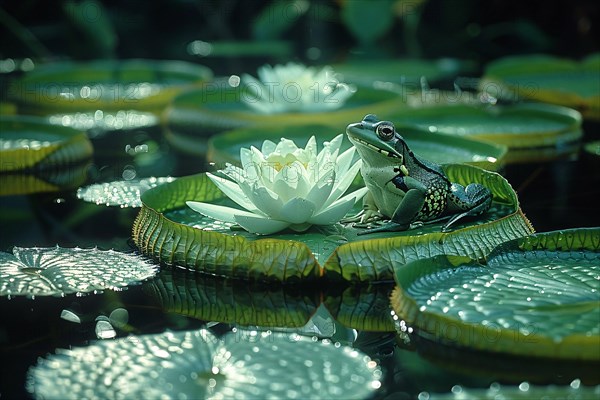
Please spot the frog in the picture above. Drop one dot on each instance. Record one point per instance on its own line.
(405, 190)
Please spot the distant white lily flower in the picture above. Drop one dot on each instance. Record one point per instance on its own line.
(295, 88)
(283, 186)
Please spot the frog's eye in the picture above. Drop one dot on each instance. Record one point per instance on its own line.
(385, 131)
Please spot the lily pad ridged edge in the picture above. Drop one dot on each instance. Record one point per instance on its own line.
(175, 244)
(375, 260)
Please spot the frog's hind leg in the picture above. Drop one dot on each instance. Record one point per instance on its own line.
(473, 200)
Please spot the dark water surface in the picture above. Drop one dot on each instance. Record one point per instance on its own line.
(554, 195)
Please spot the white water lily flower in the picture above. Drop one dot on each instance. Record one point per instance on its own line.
(295, 88)
(283, 186)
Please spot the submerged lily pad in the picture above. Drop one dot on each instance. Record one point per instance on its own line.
(105, 85)
(524, 391)
(223, 300)
(519, 127)
(59, 271)
(225, 147)
(30, 142)
(548, 79)
(196, 364)
(173, 234)
(120, 193)
(195, 115)
(535, 296)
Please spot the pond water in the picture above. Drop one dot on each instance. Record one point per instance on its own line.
(554, 195)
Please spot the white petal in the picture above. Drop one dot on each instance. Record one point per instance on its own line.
(233, 191)
(233, 172)
(283, 186)
(286, 146)
(311, 147)
(342, 184)
(220, 213)
(336, 142)
(251, 160)
(343, 162)
(268, 147)
(320, 192)
(338, 209)
(333, 213)
(297, 210)
(268, 175)
(261, 225)
(300, 227)
(266, 201)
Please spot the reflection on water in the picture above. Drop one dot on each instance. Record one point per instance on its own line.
(178, 300)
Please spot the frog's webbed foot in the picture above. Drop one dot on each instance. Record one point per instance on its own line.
(388, 226)
(364, 218)
(473, 200)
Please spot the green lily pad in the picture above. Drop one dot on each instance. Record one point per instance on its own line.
(53, 180)
(224, 300)
(376, 258)
(519, 127)
(170, 232)
(536, 296)
(401, 72)
(104, 85)
(158, 234)
(574, 391)
(29, 142)
(548, 79)
(195, 115)
(441, 149)
(508, 368)
(99, 121)
(59, 271)
(120, 193)
(196, 364)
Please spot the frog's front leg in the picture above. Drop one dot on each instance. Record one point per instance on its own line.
(370, 213)
(473, 200)
(408, 209)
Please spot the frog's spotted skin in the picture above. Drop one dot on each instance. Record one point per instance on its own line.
(404, 187)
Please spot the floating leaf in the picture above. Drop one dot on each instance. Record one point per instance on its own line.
(225, 147)
(377, 255)
(157, 235)
(405, 74)
(195, 364)
(548, 79)
(195, 115)
(104, 85)
(53, 180)
(100, 121)
(530, 131)
(223, 300)
(173, 234)
(120, 193)
(537, 296)
(30, 142)
(59, 271)
(574, 391)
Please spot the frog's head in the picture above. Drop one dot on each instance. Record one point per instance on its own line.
(376, 141)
